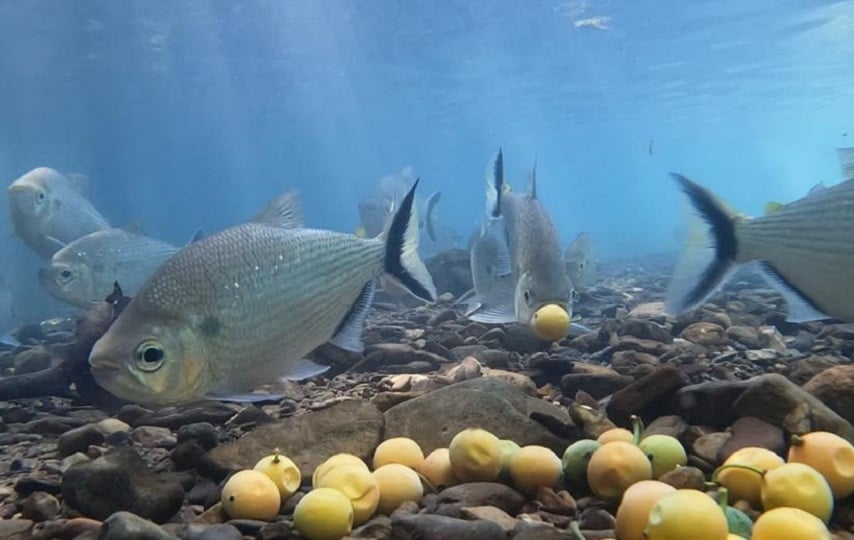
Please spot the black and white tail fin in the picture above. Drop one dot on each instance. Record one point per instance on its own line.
(494, 185)
(708, 256)
(402, 263)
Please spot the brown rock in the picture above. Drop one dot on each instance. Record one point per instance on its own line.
(488, 402)
(709, 403)
(647, 396)
(491, 513)
(352, 426)
(773, 397)
(708, 447)
(671, 425)
(805, 369)
(597, 385)
(685, 478)
(749, 431)
(835, 388)
(706, 334)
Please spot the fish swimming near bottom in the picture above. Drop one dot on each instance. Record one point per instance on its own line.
(48, 211)
(539, 272)
(489, 261)
(83, 272)
(580, 261)
(243, 307)
(805, 249)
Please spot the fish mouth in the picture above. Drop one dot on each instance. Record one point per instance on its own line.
(103, 369)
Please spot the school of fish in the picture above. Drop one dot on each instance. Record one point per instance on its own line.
(245, 306)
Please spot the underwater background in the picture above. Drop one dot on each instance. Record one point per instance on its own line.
(189, 115)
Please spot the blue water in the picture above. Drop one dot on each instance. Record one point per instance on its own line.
(192, 114)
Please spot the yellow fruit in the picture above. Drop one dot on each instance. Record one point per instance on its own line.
(796, 485)
(359, 485)
(399, 450)
(615, 434)
(633, 513)
(551, 322)
(533, 467)
(250, 494)
(324, 514)
(334, 461)
(282, 471)
(437, 469)
(614, 467)
(397, 483)
(686, 514)
(789, 524)
(476, 455)
(829, 454)
(731, 536)
(745, 485)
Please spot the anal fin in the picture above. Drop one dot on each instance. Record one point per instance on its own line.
(799, 307)
(348, 335)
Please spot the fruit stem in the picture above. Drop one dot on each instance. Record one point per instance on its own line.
(723, 494)
(276, 455)
(796, 440)
(637, 429)
(760, 472)
(576, 531)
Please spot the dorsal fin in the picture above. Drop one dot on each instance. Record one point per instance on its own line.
(534, 180)
(79, 181)
(282, 211)
(495, 185)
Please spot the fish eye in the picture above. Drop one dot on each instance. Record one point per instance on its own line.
(527, 296)
(150, 356)
(40, 197)
(65, 276)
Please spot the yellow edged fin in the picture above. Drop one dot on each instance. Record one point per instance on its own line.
(772, 207)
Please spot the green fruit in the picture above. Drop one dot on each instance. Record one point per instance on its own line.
(575, 460)
(665, 453)
(738, 522)
(508, 450)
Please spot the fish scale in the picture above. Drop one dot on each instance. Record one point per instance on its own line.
(254, 304)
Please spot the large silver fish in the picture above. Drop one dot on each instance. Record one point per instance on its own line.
(806, 249)
(542, 290)
(48, 211)
(244, 306)
(376, 210)
(581, 262)
(83, 272)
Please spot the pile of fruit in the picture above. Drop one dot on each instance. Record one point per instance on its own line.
(621, 467)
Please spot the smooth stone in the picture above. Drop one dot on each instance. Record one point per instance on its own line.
(431, 527)
(128, 526)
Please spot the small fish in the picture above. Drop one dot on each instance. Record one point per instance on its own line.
(243, 307)
(650, 149)
(48, 211)
(376, 210)
(846, 161)
(597, 23)
(540, 283)
(84, 271)
(805, 249)
(489, 261)
(8, 317)
(581, 263)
